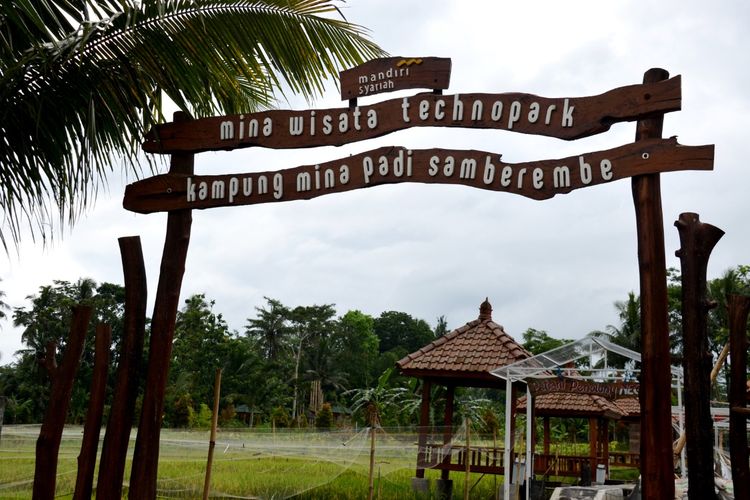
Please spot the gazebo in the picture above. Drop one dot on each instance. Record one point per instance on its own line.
(557, 388)
(599, 412)
(464, 357)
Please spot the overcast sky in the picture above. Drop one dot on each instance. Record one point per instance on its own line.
(431, 250)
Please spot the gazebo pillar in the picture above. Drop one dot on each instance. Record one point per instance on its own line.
(604, 440)
(448, 428)
(424, 423)
(593, 444)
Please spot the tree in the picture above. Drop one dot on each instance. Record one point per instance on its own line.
(312, 327)
(47, 320)
(441, 328)
(200, 346)
(270, 330)
(356, 348)
(3, 306)
(539, 341)
(83, 80)
(399, 330)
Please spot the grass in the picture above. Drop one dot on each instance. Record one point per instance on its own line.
(271, 465)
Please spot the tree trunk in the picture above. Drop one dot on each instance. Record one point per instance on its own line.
(90, 444)
(120, 421)
(50, 435)
(696, 242)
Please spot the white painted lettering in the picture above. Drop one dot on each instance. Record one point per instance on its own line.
(585, 168)
(514, 114)
(567, 115)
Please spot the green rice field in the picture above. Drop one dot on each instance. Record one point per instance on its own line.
(250, 464)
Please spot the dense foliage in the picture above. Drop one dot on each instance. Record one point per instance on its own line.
(288, 357)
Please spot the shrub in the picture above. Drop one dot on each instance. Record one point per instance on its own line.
(279, 417)
(324, 418)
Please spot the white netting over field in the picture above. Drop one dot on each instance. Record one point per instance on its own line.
(248, 463)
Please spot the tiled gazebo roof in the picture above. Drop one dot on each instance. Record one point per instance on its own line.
(466, 355)
(565, 404)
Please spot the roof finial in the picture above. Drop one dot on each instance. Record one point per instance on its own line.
(485, 310)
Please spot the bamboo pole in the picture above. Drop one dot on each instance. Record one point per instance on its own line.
(372, 413)
(212, 442)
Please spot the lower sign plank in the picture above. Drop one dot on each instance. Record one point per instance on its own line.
(538, 180)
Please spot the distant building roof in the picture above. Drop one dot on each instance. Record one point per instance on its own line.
(466, 355)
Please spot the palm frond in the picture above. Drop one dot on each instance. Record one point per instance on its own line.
(83, 80)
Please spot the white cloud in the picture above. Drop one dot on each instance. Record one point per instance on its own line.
(433, 250)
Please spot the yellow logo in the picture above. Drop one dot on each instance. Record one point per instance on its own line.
(408, 62)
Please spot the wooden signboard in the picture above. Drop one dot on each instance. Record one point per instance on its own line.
(565, 118)
(388, 165)
(611, 390)
(395, 73)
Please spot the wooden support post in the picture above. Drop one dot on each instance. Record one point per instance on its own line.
(120, 421)
(50, 435)
(424, 423)
(146, 456)
(212, 441)
(655, 396)
(593, 444)
(93, 425)
(450, 392)
(467, 460)
(696, 242)
(739, 307)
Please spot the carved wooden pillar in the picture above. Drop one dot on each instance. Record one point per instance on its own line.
(739, 307)
(656, 387)
(146, 456)
(93, 425)
(120, 422)
(424, 423)
(448, 427)
(696, 242)
(50, 435)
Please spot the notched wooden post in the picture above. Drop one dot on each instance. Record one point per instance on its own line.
(739, 308)
(655, 398)
(50, 435)
(697, 240)
(120, 422)
(146, 456)
(92, 427)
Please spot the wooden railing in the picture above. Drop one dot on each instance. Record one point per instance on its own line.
(489, 460)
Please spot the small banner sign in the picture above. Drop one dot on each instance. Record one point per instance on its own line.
(564, 118)
(608, 390)
(395, 73)
(538, 180)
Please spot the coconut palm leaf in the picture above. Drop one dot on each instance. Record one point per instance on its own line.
(81, 81)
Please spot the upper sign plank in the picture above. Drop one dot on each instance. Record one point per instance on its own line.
(395, 73)
(565, 118)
